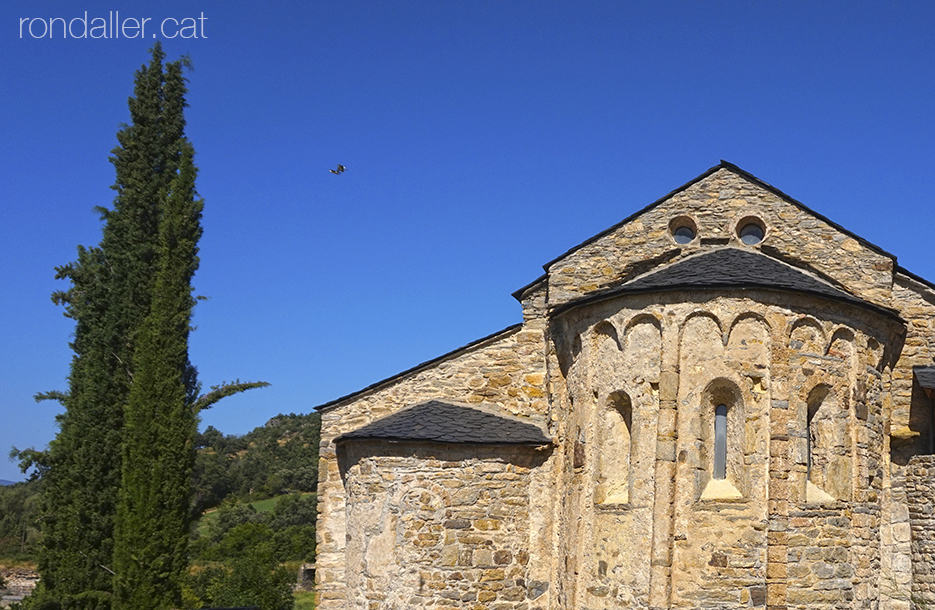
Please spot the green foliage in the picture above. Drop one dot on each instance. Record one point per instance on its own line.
(223, 390)
(239, 558)
(31, 462)
(246, 572)
(117, 478)
(153, 515)
(289, 518)
(109, 297)
(19, 521)
(280, 457)
(304, 600)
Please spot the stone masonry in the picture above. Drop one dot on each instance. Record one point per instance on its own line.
(798, 359)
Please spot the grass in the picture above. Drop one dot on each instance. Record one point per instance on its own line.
(17, 563)
(304, 600)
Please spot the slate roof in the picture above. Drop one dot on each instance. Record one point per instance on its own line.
(441, 422)
(925, 375)
(731, 268)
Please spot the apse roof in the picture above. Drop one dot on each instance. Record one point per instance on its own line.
(925, 375)
(730, 268)
(442, 422)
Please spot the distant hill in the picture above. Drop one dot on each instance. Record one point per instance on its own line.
(5, 482)
(279, 457)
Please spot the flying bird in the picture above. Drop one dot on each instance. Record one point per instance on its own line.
(340, 169)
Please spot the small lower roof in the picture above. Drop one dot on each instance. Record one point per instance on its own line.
(442, 422)
(925, 376)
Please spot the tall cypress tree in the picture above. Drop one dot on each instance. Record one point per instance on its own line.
(109, 298)
(153, 515)
(124, 447)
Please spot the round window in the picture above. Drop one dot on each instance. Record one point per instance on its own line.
(751, 233)
(682, 229)
(683, 235)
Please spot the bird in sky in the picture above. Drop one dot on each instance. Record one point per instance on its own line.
(340, 169)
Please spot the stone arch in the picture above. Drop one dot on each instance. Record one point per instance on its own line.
(807, 335)
(643, 318)
(748, 315)
(749, 339)
(876, 351)
(605, 330)
(701, 338)
(567, 344)
(617, 439)
(723, 422)
(842, 344)
(642, 348)
(605, 360)
(701, 313)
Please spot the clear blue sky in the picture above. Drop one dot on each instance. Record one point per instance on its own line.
(482, 139)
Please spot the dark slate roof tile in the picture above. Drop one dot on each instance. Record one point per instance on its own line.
(925, 375)
(730, 268)
(441, 422)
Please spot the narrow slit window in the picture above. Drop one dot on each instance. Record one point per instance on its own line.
(810, 440)
(720, 442)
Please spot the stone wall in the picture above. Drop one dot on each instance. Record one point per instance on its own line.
(920, 487)
(678, 538)
(715, 205)
(507, 371)
(912, 410)
(20, 583)
(625, 512)
(438, 526)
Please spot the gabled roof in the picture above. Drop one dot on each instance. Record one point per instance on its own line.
(442, 422)
(730, 268)
(743, 174)
(422, 366)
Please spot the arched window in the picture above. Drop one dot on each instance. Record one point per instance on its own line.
(615, 451)
(720, 442)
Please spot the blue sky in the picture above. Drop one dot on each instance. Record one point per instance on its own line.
(482, 139)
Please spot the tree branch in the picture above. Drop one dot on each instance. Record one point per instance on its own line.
(223, 390)
(55, 395)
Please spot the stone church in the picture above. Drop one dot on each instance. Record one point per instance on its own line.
(723, 401)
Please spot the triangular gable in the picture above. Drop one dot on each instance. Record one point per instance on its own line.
(740, 172)
(717, 203)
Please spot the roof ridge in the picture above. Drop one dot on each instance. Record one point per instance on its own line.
(421, 366)
(441, 421)
(743, 174)
(752, 251)
(755, 276)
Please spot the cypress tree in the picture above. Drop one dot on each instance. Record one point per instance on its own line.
(153, 515)
(124, 450)
(108, 299)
